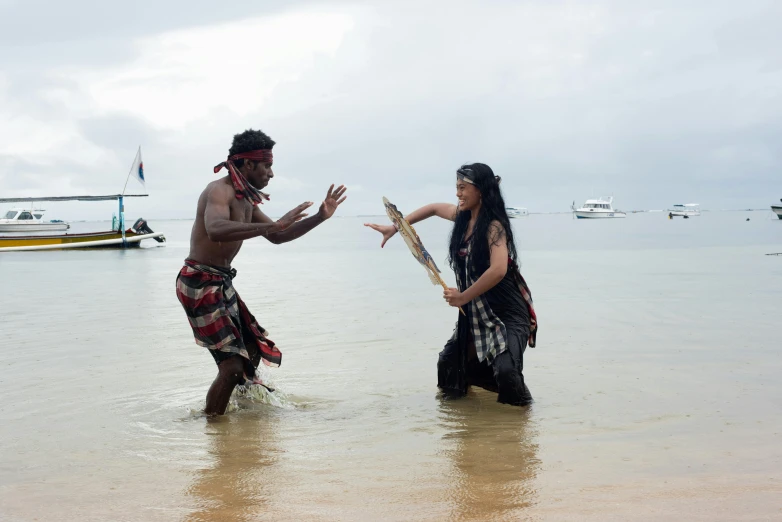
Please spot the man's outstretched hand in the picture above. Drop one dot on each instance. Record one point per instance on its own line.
(334, 199)
(291, 217)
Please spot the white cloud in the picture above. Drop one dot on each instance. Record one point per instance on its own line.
(184, 76)
(51, 150)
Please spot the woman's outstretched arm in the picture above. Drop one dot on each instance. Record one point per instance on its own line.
(442, 210)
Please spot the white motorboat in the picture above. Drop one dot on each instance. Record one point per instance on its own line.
(777, 210)
(598, 208)
(516, 212)
(686, 211)
(29, 220)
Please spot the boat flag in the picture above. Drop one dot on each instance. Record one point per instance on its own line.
(137, 170)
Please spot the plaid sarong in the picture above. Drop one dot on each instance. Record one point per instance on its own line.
(488, 331)
(218, 316)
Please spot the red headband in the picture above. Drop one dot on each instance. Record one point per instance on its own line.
(242, 187)
(264, 155)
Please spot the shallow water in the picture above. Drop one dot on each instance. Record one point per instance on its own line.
(656, 382)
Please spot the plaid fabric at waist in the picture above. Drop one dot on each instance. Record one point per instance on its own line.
(488, 331)
(218, 316)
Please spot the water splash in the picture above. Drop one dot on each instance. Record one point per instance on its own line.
(254, 395)
(261, 392)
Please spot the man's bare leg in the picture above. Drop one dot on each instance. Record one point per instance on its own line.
(230, 372)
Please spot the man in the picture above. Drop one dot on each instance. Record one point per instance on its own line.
(228, 214)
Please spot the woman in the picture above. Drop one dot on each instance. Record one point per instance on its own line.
(488, 344)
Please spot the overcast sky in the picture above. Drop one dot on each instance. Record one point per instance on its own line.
(658, 102)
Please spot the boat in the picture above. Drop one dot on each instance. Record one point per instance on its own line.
(777, 210)
(686, 211)
(29, 220)
(117, 237)
(597, 208)
(516, 212)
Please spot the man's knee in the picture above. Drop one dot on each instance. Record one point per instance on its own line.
(232, 369)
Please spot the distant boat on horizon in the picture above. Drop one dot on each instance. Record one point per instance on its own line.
(777, 210)
(686, 211)
(516, 212)
(597, 209)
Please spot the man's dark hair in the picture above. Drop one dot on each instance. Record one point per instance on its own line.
(249, 140)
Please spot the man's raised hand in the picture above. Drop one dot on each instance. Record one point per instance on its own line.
(334, 198)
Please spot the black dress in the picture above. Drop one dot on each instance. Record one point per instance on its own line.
(458, 366)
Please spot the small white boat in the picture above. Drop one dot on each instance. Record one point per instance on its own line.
(686, 211)
(516, 212)
(777, 210)
(24, 220)
(598, 208)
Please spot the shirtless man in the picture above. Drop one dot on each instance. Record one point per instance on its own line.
(228, 214)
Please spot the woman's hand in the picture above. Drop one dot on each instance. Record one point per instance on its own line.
(388, 231)
(454, 297)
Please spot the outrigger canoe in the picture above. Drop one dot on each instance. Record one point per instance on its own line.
(119, 238)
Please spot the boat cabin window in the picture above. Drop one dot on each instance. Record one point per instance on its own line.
(11, 214)
(38, 216)
(25, 215)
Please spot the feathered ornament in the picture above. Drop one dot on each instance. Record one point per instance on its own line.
(415, 245)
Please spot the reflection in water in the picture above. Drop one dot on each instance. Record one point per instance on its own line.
(238, 485)
(494, 457)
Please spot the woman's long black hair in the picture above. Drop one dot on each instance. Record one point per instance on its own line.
(492, 209)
